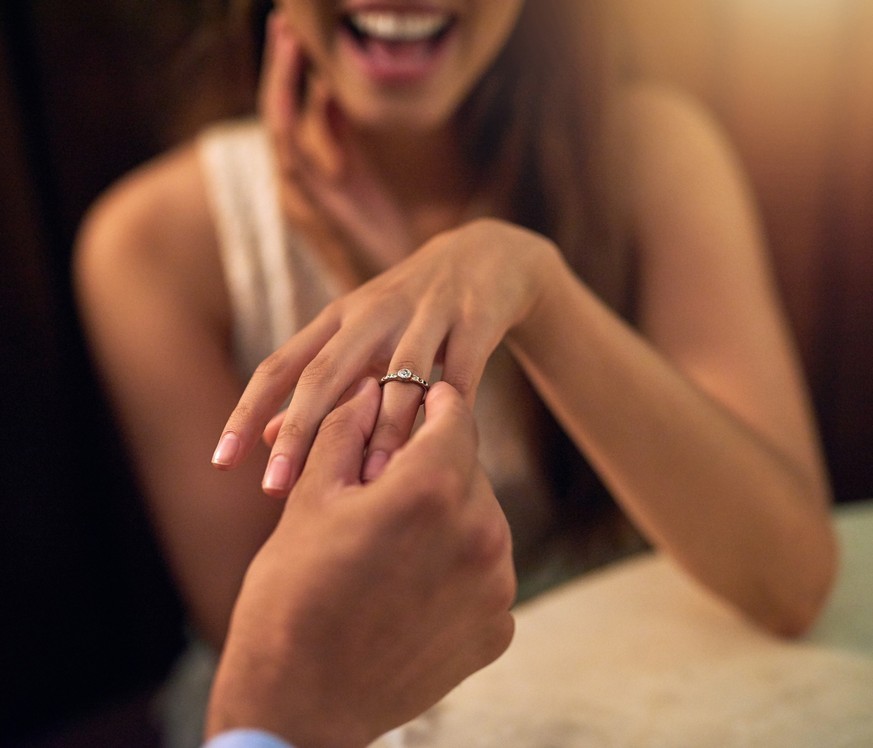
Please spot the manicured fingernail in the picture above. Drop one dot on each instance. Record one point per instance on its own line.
(374, 465)
(278, 475)
(226, 450)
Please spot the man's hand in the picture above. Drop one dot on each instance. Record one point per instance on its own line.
(370, 601)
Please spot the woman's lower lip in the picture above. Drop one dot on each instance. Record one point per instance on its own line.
(396, 63)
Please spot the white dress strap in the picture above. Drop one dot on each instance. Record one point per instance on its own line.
(241, 186)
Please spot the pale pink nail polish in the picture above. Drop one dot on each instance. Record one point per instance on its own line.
(226, 451)
(278, 475)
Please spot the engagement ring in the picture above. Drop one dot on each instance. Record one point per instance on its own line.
(405, 375)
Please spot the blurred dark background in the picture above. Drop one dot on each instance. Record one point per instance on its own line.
(89, 621)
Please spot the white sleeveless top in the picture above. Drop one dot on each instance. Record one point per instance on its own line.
(277, 284)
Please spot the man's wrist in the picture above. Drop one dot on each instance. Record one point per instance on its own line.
(246, 738)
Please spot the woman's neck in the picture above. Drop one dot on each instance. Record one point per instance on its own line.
(427, 175)
(406, 187)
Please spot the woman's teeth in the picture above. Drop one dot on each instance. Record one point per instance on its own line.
(388, 26)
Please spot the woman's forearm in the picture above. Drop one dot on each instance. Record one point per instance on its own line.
(726, 502)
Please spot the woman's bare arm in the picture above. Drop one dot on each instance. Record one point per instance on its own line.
(701, 424)
(154, 305)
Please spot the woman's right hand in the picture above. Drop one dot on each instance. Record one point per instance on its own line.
(328, 187)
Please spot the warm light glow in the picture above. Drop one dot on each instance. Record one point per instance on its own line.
(808, 10)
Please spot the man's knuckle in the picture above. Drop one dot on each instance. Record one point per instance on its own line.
(448, 484)
(488, 544)
(503, 634)
(493, 639)
(505, 589)
(427, 502)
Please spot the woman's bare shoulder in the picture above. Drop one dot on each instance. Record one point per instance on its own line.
(149, 207)
(673, 141)
(155, 223)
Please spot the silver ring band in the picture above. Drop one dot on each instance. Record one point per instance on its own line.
(405, 375)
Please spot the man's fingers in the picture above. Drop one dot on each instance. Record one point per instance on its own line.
(400, 405)
(449, 421)
(410, 368)
(441, 456)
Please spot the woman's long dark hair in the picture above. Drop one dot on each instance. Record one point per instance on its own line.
(542, 121)
(542, 118)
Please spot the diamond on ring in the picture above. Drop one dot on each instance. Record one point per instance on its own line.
(406, 376)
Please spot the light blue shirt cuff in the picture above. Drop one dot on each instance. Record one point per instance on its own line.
(247, 739)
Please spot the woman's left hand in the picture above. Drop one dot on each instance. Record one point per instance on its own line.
(452, 301)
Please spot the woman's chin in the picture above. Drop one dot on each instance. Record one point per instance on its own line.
(398, 115)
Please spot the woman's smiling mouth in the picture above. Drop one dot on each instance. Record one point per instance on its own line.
(398, 27)
(397, 46)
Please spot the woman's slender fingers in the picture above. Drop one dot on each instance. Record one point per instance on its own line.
(320, 386)
(272, 429)
(269, 387)
(464, 360)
